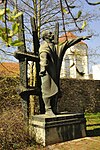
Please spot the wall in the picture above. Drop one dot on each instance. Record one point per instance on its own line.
(79, 96)
(96, 72)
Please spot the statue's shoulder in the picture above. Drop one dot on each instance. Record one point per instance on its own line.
(43, 47)
(44, 44)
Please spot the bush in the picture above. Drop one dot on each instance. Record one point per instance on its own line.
(8, 95)
(13, 131)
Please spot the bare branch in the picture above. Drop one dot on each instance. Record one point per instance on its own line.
(72, 15)
(5, 4)
(90, 3)
(63, 19)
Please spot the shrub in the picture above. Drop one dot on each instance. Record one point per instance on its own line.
(13, 133)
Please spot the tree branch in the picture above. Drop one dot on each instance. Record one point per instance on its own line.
(90, 3)
(5, 4)
(72, 15)
(63, 19)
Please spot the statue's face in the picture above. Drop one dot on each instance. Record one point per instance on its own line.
(50, 36)
(47, 35)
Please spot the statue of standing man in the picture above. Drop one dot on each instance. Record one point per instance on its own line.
(50, 64)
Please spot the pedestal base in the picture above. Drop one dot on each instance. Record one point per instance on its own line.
(59, 128)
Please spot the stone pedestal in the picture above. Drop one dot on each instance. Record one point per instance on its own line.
(59, 128)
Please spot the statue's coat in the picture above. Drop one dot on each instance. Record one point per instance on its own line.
(51, 59)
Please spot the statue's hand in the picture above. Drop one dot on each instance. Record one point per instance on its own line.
(87, 37)
(42, 73)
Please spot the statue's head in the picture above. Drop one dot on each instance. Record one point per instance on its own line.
(47, 35)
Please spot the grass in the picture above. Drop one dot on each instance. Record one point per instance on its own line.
(92, 120)
(93, 124)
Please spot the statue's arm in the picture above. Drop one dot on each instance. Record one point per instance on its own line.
(77, 40)
(43, 63)
(68, 44)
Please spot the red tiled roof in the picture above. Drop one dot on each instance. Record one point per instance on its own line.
(9, 69)
(69, 36)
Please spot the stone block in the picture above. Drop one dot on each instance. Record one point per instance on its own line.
(59, 128)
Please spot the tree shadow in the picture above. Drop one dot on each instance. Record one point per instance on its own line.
(93, 132)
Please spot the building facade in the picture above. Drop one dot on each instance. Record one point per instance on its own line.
(75, 61)
(96, 72)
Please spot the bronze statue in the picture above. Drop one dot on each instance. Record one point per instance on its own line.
(50, 64)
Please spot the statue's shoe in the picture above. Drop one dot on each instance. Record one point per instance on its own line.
(49, 113)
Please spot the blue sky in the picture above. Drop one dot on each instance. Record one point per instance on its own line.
(94, 42)
(94, 49)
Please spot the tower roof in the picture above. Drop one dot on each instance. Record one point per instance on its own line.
(69, 36)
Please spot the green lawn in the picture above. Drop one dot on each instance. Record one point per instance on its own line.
(93, 124)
